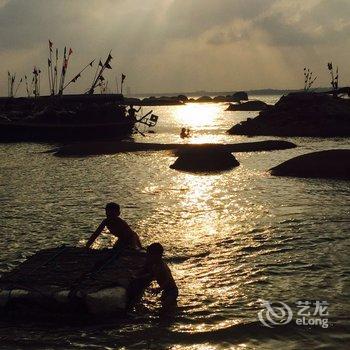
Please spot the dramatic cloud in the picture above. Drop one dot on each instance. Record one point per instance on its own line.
(174, 45)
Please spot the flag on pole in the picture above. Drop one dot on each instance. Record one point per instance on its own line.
(76, 78)
(153, 118)
(121, 84)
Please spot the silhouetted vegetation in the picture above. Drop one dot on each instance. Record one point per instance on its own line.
(309, 79)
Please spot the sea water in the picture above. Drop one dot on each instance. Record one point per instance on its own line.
(233, 240)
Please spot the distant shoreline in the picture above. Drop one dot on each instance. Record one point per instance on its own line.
(224, 93)
(209, 93)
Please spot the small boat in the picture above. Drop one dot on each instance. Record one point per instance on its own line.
(73, 283)
(20, 131)
(64, 118)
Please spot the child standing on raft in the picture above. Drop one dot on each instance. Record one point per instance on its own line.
(127, 238)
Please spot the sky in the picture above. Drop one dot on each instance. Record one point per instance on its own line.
(180, 45)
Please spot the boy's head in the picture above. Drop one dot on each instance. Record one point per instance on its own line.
(112, 210)
(155, 251)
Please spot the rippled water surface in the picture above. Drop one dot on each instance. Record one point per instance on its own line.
(231, 238)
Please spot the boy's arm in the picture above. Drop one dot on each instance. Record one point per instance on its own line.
(137, 240)
(95, 234)
(167, 280)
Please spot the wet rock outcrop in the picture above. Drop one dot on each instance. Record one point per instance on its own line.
(205, 159)
(333, 164)
(97, 148)
(254, 105)
(300, 114)
(160, 101)
(240, 96)
(181, 99)
(236, 97)
(204, 99)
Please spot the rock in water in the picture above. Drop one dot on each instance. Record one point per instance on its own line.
(324, 164)
(204, 99)
(248, 106)
(240, 96)
(204, 160)
(300, 114)
(96, 148)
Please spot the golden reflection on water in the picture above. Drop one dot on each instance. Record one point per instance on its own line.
(198, 139)
(200, 119)
(197, 114)
(197, 204)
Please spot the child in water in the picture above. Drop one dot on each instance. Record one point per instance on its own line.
(156, 269)
(127, 238)
(185, 133)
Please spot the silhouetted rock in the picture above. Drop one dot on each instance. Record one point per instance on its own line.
(132, 101)
(219, 99)
(182, 98)
(204, 160)
(300, 114)
(248, 106)
(324, 164)
(240, 96)
(204, 99)
(97, 148)
(160, 101)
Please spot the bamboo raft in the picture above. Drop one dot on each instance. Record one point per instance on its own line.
(73, 282)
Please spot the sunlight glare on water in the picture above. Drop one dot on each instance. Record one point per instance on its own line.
(193, 115)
